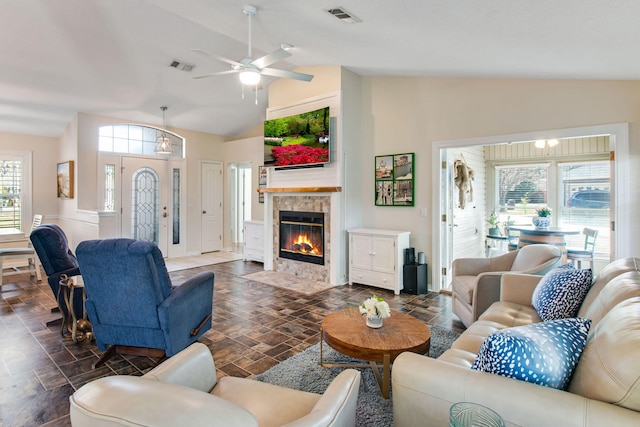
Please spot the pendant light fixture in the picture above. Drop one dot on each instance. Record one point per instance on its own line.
(163, 143)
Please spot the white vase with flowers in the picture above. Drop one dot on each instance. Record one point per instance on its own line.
(375, 309)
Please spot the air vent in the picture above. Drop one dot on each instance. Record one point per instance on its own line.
(181, 66)
(343, 15)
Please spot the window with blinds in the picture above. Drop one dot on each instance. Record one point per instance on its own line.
(11, 194)
(584, 193)
(521, 189)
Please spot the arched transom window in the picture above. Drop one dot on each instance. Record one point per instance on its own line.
(136, 139)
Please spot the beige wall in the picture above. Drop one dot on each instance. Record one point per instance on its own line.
(248, 150)
(396, 115)
(410, 114)
(199, 147)
(285, 92)
(45, 157)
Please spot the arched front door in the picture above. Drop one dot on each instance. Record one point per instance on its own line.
(145, 208)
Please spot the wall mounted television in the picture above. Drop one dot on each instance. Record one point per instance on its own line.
(301, 140)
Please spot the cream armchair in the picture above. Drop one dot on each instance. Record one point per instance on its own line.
(184, 391)
(476, 281)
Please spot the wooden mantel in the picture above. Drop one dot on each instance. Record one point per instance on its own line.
(299, 189)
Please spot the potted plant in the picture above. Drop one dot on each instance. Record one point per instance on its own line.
(543, 218)
(494, 224)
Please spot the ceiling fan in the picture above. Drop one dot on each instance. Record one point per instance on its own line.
(249, 69)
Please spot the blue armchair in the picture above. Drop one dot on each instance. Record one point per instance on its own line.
(131, 304)
(52, 247)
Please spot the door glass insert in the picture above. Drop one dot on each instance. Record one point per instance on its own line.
(145, 206)
(176, 206)
(109, 187)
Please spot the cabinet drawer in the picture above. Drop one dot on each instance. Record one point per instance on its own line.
(368, 277)
(255, 242)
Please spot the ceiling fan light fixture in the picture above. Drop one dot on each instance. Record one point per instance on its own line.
(163, 143)
(249, 77)
(250, 69)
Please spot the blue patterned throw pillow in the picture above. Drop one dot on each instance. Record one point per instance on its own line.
(544, 353)
(560, 292)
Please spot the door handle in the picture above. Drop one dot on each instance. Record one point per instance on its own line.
(204, 212)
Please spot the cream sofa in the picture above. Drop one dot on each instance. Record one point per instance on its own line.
(184, 391)
(604, 389)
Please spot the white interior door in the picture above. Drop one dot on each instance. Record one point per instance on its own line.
(145, 207)
(447, 220)
(240, 175)
(211, 185)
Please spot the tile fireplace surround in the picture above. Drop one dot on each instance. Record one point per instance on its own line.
(302, 203)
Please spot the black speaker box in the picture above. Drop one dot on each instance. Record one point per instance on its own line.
(414, 279)
(409, 256)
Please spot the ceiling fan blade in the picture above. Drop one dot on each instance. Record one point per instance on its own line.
(219, 73)
(286, 74)
(219, 58)
(270, 58)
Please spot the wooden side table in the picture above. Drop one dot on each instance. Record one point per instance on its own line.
(78, 328)
(551, 235)
(346, 331)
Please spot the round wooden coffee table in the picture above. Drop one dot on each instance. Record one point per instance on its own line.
(346, 331)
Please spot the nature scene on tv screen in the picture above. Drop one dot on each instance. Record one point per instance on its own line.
(302, 139)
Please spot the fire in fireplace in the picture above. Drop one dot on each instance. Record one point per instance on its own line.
(302, 236)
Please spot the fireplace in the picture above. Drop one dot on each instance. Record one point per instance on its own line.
(302, 236)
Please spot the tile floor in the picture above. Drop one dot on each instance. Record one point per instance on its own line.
(255, 326)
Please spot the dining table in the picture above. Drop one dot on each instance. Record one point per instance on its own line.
(530, 235)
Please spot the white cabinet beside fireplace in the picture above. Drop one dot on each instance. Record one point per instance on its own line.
(254, 241)
(375, 257)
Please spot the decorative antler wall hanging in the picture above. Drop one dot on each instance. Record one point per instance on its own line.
(463, 175)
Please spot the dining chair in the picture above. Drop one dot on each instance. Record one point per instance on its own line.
(512, 238)
(578, 256)
(28, 253)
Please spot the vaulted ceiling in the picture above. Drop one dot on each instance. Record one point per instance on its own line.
(111, 57)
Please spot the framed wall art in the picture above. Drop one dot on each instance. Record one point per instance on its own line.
(65, 180)
(394, 178)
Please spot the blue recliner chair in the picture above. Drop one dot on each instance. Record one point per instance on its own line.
(131, 304)
(52, 247)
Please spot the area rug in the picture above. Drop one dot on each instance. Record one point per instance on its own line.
(286, 281)
(303, 372)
